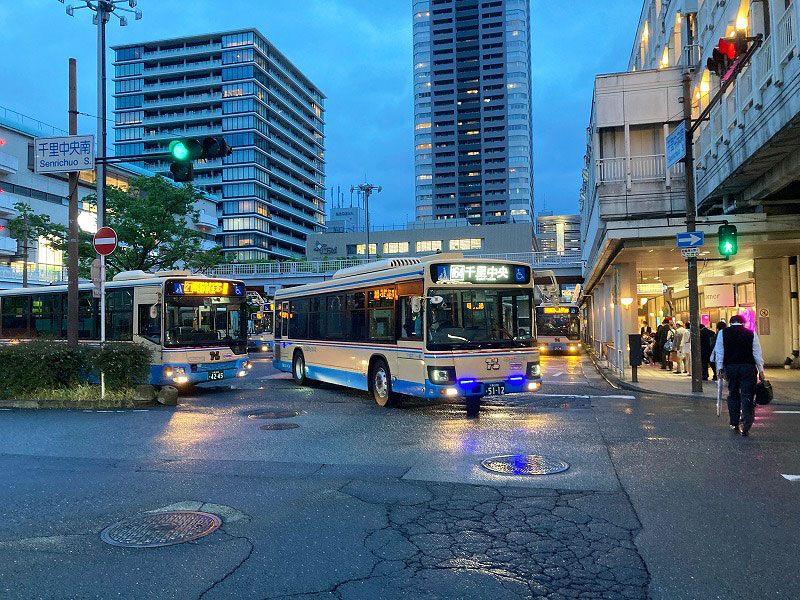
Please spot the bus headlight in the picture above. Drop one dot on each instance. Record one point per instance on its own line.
(441, 375)
(264, 348)
(534, 385)
(181, 379)
(572, 348)
(241, 373)
(174, 371)
(248, 364)
(542, 348)
(534, 370)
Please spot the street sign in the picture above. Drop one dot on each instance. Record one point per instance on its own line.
(690, 239)
(763, 312)
(676, 144)
(690, 252)
(64, 154)
(105, 241)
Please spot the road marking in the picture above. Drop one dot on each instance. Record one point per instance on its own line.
(277, 376)
(140, 410)
(5, 409)
(559, 374)
(619, 397)
(787, 412)
(791, 477)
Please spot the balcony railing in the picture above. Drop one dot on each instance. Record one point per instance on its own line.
(642, 168)
(763, 63)
(174, 51)
(784, 34)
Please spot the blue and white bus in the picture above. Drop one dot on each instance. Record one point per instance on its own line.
(196, 326)
(432, 327)
(558, 328)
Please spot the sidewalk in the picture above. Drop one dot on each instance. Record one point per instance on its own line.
(785, 383)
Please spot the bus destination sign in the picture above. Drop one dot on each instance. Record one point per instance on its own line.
(205, 288)
(480, 273)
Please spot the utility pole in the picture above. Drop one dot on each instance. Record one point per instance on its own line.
(691, 225)
(72, 244)
(366, 189)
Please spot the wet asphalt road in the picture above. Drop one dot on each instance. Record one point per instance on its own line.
(660, 499)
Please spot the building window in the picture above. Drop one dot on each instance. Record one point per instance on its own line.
(395, 248)
(361, 249)
(429, 245)
(466, 244)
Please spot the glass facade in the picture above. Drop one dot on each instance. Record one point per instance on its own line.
(473, 151)
(238, 85)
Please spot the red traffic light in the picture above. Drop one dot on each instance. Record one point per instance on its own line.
(727, 47)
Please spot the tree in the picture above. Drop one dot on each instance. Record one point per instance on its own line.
(154, 222)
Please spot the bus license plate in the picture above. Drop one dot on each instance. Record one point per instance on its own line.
(214, 375)
(495, 389)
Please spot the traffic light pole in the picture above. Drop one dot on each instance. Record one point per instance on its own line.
(691, 210)
(691, 225)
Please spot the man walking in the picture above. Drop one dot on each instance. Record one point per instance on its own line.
(706, 346)
(738, 356)
(658, 345)
(677, 346)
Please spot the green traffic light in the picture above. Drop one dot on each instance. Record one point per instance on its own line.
(727, 248)
(728, 244)
(179, 151)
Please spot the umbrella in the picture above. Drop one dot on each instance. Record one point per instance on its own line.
(719, 395)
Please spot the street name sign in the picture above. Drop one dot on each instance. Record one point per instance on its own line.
(105, 241)
(690, 252)
(690, 239)
(676, 144)
(64, 154)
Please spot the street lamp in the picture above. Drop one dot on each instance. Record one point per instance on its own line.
(103, 10)
(366, 189)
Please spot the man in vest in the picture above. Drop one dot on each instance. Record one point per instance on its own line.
(738, 356)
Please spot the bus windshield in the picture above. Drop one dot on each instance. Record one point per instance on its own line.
(480, 318)
(205, 321)
(562, 325)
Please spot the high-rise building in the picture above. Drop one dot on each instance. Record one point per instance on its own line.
(472, 110)
(239, 85)
(558, 233)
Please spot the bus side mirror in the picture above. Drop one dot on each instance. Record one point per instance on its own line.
(416, 304)
(436, 300)
(154, 311)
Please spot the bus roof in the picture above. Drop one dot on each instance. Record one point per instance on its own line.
(384, 271)
(121, 280)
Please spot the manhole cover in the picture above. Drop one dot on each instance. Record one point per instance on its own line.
(278, 426)
(160, 529)
(273, 414)
(524, 464)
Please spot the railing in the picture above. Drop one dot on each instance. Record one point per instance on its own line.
(34, 276)
(610, 170)
(326, 267)
(643, 168)
(27, 121)
(173, 51)
(182, 83)
(184, 66)
(763, 63)
(184, 99)
(784, 35)
(187, 116)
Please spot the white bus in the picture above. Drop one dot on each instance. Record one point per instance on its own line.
(260, 324)
(196, 326)
(558, 328)
(439, 326)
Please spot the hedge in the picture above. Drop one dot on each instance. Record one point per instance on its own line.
(35, 365)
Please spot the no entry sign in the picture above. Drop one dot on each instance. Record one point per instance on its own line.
(105, 241)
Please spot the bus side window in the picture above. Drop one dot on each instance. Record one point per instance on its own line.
(409, 322)
(149, 326)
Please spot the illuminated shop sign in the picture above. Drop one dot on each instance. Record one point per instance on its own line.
(480, 273)
(205, 288)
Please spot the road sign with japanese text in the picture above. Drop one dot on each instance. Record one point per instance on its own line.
(64, 154)
(676, 144)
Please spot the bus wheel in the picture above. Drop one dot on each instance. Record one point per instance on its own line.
(299, 369)
(473, 406)
(381, 384)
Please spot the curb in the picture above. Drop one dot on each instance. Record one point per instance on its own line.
(61, 404)
(617, 383)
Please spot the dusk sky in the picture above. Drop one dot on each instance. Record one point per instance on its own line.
(359, 53)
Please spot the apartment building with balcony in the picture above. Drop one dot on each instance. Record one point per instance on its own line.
(747, 172)
(47, 194)
(237, 84)
(473, 152)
